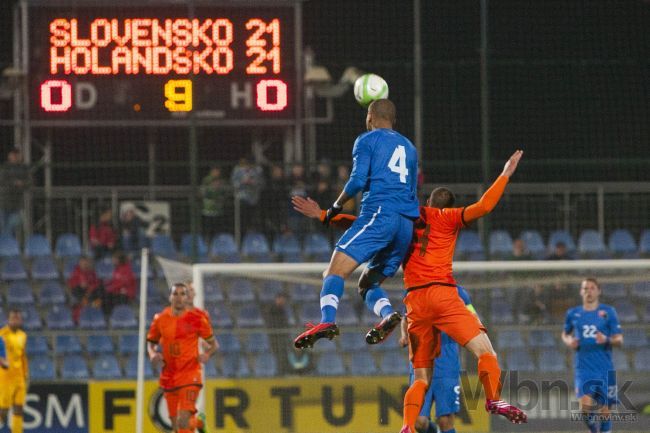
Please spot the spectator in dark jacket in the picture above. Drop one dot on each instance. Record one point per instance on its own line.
(277, 319)
(121, 287)
(14, 180)
(103, 237)
(132, 236)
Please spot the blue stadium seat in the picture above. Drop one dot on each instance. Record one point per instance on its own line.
(104, 269)
(613, 290)
(270, 290)
(67, 344)
(3, 317)
(286, 244)
(501, 312)
(131, 367)
(304, 293)
(316, 244)
(241, 290)
(37, 245)
(224, 245)
(41, 368)
(187, 241)
(13, 269)
(592, 245)
(69, 264)
(519, 360)
(220, 316)
(309, 312)
(68, 245)
(52, 293)
(235, 365)
(106, 367)
(641, 289)
(210, 369)
(363, 364)
(37, 345)
(229, 343)
(390, 344)
(136, 265)
(92, 318)
(20, 293)
(255, 245)
(509, 339)
(153, 308)
(97, 344)
(257, 342)
(265, 365)
(644, 243)
(44, 268)
(163, 245)
(368, 318)
(542, 339)
(123, 317)
(250, 316)
(641, 357)
(534, 243)
(621, 242)
(552, 361)
(500, 243)
(212, 291)
(469, 246)
(59, 317)
(9, 246)
(646, 313)
(127, 344)
(31, 318)
(330, 364)
(352, 342)
(395, 362)
(621, 363)
(635, 338)
(346, 315)
(626, 312)
(561, 236)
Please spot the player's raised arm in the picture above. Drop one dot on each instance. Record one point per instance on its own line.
(492, 196)
(311, 209)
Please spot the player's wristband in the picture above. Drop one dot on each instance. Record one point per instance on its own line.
(333, 211)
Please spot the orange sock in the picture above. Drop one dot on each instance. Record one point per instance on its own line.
(413, 400)
(490, 375)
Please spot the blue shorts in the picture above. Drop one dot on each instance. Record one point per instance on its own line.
(445, 391)
(601, 387)
(383, 238)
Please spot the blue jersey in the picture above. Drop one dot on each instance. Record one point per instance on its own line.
(592, 357)
(3, 349)
(385, 169)
(447, 364)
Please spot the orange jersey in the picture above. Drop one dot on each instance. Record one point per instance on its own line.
(179, 338)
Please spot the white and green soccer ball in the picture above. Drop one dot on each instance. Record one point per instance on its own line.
(370, 87)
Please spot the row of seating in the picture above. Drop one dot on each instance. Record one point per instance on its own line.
(552, 360)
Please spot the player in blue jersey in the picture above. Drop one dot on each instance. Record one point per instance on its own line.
(385, 171)
(445, 386)
(3, 354)
(592, 329)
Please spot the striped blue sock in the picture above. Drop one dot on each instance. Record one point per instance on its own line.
(590, 420)
(329, 297)
(377, 301)
(606, 426)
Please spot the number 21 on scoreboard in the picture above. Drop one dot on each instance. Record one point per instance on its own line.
(178, 94)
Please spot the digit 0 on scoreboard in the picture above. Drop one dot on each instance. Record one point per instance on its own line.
(178, 95)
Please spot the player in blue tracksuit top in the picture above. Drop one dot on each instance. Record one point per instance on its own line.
(592, 330)
(385, 170)
(445, 386)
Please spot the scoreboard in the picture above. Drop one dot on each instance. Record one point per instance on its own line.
(99, 63)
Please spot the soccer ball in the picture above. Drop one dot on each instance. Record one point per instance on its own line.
(370, 87)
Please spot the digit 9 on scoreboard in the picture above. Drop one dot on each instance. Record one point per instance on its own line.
(230, 63)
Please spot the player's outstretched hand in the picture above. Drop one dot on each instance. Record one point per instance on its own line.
(306, 206)
(601, 338)
(204, 357)
(573, 344)
(156, 360)
(511, 165)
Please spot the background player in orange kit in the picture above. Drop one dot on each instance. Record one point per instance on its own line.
(177, 331)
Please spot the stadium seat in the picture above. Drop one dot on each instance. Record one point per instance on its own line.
(255, 245)
(309, 312)
(395, 362)
(37, 245)
(228, 343)
(626, 312)
(561, 236)
(622, 244)
(501, 312)
(270, 290)
(67, 245)
(44, 268)
(20, 293)
(224, 245)
(187, 241)
(363, 364)
(534, 243)
(641, 357)
(212, 291)
(241, 290)
(500, 244)
(317, 245)
(69, 264)
(3, 317)
(635, 338)
(104, 269)
(52, 293)
(644, 243)
(92, 318)
(509, 339)
(106, 367)
(541, 339)
(368, 318)
(469, 246)
(13, 269)
(98, 344)
(9, 246)
(127, 344)
(67, 344)
(153, 308)
(37, 345)
(210, 369)
(287, 246)
(621, 363)
(257, 342)
(123, 317)
(41, 368)
(352, 342)
(265, 365)
(346, 315)
(304, 293)
(646, 313)
(641, 290)
(592, 245)
(330, 364)
(131, 367)
(235, 365)
(613, 290)
(59, 317)
(163, 246)
(387, 345)
(220, 316)
(136, 265)
(250, 316)
(552, 361)
(31, 318)
(520, 360)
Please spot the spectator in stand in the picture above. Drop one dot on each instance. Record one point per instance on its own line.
(132, 236)
(559, 253)
(275, 197)
(342, 176)
(121, 288)
(323, 172)
(520, 251)
(247, 180)
(14, 180)
(214, 193)
(103, 237)
(534, 310)
(277, 320)
(84, 287)
(298, 174)
(300, 361)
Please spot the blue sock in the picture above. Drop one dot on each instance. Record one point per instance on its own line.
(377, 301)
(606, 426)
(329, 297)
(453, 430)
(590, 420)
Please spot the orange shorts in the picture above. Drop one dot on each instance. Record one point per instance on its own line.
(434, 309)
(182, 398)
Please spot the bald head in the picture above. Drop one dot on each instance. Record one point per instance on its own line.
(381, 114)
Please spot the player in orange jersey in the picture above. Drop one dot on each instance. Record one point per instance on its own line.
(432, 302)
(177, 331)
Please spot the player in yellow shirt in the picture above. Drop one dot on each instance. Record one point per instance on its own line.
(14, 379)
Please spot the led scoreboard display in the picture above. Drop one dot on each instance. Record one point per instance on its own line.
(107, 63)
